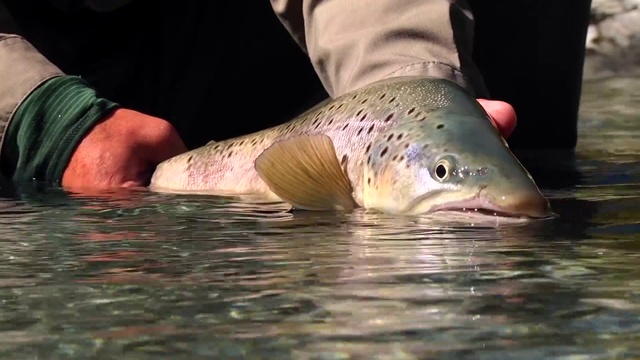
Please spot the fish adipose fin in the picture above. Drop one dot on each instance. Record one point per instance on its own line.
(305, 172)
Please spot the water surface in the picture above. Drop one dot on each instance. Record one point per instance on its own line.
(148, 276)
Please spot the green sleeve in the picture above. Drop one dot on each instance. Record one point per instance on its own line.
(48, 126)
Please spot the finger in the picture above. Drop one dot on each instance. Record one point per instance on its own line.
(502, 114)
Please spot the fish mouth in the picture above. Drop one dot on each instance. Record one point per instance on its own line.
(479, 206)
(532, 206)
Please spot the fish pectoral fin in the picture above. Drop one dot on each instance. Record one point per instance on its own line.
(305, 172)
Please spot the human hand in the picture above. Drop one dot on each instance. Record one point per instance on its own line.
(121, 151)
(501, 114)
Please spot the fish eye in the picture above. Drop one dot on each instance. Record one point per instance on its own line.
(442, 170)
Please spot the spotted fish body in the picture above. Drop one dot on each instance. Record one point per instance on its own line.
(389, 139)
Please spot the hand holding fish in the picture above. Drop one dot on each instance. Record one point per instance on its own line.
(121, 151)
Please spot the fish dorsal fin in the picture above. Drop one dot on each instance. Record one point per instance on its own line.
(211, 142)
(305, 172)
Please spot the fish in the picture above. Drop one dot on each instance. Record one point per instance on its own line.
(408, 146)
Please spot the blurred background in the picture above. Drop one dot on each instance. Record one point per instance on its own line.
(613, 40)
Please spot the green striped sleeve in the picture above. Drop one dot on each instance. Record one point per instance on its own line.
(47, 127)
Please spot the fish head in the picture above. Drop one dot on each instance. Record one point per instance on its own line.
(449, 162)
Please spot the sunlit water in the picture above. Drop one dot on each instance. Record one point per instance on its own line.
(141, 276)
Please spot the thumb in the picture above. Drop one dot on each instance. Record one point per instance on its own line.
(502, 114)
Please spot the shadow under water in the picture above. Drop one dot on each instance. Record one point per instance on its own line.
(142, 275)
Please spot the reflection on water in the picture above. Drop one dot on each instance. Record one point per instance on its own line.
(140, 275)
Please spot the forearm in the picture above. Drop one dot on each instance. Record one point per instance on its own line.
(43, 113)
(354, 43)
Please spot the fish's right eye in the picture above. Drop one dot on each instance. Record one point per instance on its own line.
(442, 170)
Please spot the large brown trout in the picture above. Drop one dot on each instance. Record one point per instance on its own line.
(401, 146)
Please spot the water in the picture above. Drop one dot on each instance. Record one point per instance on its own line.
(142, 276)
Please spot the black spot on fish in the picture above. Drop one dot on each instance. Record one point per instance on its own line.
(371, 129)
(390, 137)
(315, 121)
(360, 131)
(389, 118)
(331, 107)
(399, 137)
(345, 127)
(440, 126)
(394, 158)
(392, 100)
(368, 147)
(229, 154)
(190, 158)
(344, 159)
(331, 121)
(425, 146)
(364, 101)
(254, 141)
(382, 96)
(368, 181)
(422, 118)
(359, 112)
(411, 111)
(339, 106)
(241, 143)
(406, 146)
(363, 117)
(369, 160)
(402, 158)
(217, 147)
(384, 151)
(354, 97)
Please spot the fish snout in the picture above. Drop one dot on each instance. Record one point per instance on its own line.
(530, 203)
